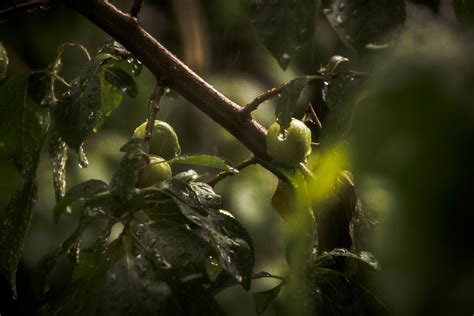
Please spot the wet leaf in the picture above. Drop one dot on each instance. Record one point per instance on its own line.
(363, 24)
(205, 160)
(263, 299)
(234, 249)
(41, 88)
(80, 109)
(14, 223)
(121, 80)
(283, 26)
(84, 190)
(24, 122)
(111, 98)
(3, 62)
(125, 179)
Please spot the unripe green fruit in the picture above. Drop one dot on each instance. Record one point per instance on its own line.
(156, 171)
(291, 147)
(164, 141)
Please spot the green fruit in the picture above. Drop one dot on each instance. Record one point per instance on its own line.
(156, 171)
(164, 141)
(290, 147)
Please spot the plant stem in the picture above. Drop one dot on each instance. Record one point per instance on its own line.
(153, 108)
(225, 174)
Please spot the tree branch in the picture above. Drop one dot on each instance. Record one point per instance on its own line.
(17, 9)
(176, 75)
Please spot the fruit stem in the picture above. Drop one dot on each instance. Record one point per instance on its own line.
(153, 108)
(224, 174)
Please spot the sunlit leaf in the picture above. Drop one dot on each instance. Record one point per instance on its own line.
(204, 160)
(121, 80)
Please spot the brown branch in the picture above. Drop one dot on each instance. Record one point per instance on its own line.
(176, 75)
(314, 116)
(224, 174)
(153, 108)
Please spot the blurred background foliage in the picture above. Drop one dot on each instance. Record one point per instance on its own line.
(411, 156)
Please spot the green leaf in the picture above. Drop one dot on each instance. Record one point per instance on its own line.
(198, 203)
(363, 24)
(15, 221)
(3, 62)
(284, 26)
(464, 11)
(84, 190)
(287, 100)
(263, 299)
(41, 88)
(79, 110)
(121, 80)
(205, 160)
(125, 179)
(364, 256)
(23, 124)
(110, 98)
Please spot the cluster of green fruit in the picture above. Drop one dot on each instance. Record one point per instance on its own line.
(164, 145)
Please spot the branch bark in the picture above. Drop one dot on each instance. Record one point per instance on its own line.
(176, 75)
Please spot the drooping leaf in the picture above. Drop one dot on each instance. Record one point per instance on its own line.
(84, 190)
(14, 223)
(3, 62)
(284, 26)
(121, 80)
(125, 179)
(363, 24)
(79, 110)
(41, 88)
(58, 157)
(23, 124)
(110, 98)
(205, 160)
(198, 203)
(464, 11)
(263, 299)
(364, 256)
(287, 101)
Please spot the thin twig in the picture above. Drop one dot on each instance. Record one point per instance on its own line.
(314, 116)
(153, 108)
(136, 6)
(224, 174)
(20, 8)
(252, 106)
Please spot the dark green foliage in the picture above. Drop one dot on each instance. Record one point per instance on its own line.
(363, 24)
(23, 130)
(283, 26)
(464, 11)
